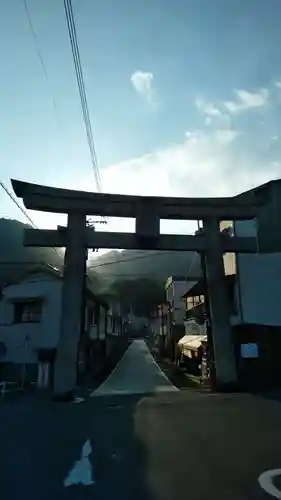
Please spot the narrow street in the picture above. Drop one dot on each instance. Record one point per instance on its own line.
(139, 438)
(137, 373)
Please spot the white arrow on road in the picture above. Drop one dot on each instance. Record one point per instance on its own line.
(82, 471)
(266, 483)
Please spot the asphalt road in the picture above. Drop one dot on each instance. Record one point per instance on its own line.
(137, 373)
(164, 446)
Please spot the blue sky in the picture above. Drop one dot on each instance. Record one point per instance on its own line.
(184, 97)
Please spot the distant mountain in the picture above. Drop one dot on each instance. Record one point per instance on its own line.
(15, 258)
(135, 270)
(137, 278)
(132, 264)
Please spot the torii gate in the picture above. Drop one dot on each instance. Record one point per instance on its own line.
(147, 211)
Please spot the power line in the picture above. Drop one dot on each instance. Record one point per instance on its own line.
(24, 212)
(23, 263)
(193, 262)
(130, 259)
(18, 205)
(196, 255)
(81, 87)
(40, 56)
(126, 275)
(79, 75)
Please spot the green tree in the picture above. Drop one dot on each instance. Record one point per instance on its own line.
(141, 295)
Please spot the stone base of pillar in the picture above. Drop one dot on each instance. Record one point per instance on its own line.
(63, 397)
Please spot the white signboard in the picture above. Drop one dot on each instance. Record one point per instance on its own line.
(249, 350)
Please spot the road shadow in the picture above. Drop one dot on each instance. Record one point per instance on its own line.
(178, 377)
(38, 454)
(119, 454)
(270, 394)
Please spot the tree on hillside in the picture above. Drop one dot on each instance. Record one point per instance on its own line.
(141, 295)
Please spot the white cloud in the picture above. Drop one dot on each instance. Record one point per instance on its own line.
(142, 82)
(208, 121)
(278, 84)
(204, 164)
(246, 100)
(225, 136)
(207, 107)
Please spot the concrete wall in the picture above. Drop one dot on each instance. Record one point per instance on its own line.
(259, 278)
(23, 339)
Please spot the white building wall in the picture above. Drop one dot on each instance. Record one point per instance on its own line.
(23, 339)
(259, 277)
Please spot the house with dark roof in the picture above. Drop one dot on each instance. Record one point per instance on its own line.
(171, 314)
(30, 321)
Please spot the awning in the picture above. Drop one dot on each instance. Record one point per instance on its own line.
(191, 343)
(192, 339)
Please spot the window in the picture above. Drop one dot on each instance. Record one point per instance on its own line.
(189, 302)
(196, 300)
(27, 312)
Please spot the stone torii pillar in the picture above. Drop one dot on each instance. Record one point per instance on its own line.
(225, 364)
(71, 307)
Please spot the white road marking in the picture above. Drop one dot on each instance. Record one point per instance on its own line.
(82, 471)
(265, 481)
(78, 400)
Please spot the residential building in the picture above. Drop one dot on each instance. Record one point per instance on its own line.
(257, 318)
(253, 286)
(252, 281)
(175, 288)
(30, 320)
(172, 313)
(257, 283)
